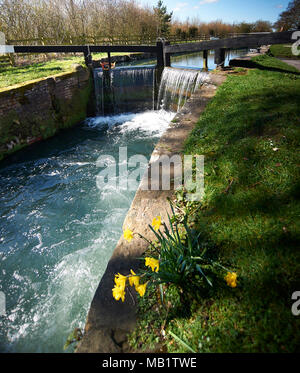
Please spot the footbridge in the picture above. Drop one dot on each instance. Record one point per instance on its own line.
(163, 49)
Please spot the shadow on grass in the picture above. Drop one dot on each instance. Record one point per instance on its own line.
(254, 222)
(254, 65)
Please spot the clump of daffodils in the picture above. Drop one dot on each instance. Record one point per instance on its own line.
(118, 291)
(134, 280)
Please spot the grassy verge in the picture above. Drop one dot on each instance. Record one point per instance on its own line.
(250, 136)
(282, 51)
(10, 75)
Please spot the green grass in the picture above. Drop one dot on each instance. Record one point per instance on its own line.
(10, 75)
(282, 51)
(249, 134)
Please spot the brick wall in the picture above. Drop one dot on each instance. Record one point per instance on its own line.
(34, 111)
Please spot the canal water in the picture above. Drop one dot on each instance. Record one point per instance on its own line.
(58, 230)
(193, 60)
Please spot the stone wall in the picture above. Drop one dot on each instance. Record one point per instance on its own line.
(38, 109)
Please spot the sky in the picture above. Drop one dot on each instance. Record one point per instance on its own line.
(227, 10)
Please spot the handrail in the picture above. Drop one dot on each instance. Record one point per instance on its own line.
(120, 39)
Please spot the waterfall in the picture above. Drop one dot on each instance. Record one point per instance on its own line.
(126, 89)
(132, 88)
(176, 87)
(99, 91)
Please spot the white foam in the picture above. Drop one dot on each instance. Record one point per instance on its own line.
(152, 121)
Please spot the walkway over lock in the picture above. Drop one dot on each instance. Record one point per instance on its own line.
(163, 49)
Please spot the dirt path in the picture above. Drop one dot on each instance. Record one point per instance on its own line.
(295, 63)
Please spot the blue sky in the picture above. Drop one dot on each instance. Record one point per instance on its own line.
(227, 10)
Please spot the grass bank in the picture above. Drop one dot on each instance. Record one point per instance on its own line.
(282, 51)
(11, 75)
(249, 135)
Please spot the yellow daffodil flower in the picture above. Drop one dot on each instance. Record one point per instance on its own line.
(120, 281)
(141, 289)
(118, 293)
(128, 235)
(231, 279)
(153, 263)
(134, 280)
(156, 223)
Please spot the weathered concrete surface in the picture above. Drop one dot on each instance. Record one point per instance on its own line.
(108, 320)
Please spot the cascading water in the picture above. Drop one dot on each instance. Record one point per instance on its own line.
(126, 89)
(131, 89)
(177, 85)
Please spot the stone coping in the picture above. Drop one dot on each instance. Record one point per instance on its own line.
(65, 74)
(109, 321)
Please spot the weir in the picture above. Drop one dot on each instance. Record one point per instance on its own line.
(176, 86)
(135, 89)
(124, 89)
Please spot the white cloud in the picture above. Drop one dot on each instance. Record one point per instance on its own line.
(208, 2)
(279, 6)
(179, 7)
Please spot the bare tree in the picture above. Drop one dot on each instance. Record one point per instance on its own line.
(289, 19)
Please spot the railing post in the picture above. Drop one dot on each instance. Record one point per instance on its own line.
(109, 60)
(87, 56)
(160, 54)
(205, 60)
(163, 58)
(167, 56)
(220, 58)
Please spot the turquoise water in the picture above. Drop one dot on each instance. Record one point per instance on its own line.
(195, 60)
(58, 231)
(192, 60)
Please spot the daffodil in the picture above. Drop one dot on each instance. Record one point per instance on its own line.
(128, 235)
(120, 281)
(118, 293)
(134, 280)
(141, 289)
(231, 279)
(156, 223)
(153, 263)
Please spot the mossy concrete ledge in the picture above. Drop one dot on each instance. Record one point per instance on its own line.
(109, 321)
(36, 110)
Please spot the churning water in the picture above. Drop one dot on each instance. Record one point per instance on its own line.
(58, 230)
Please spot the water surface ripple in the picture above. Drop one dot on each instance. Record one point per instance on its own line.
(58, 231)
